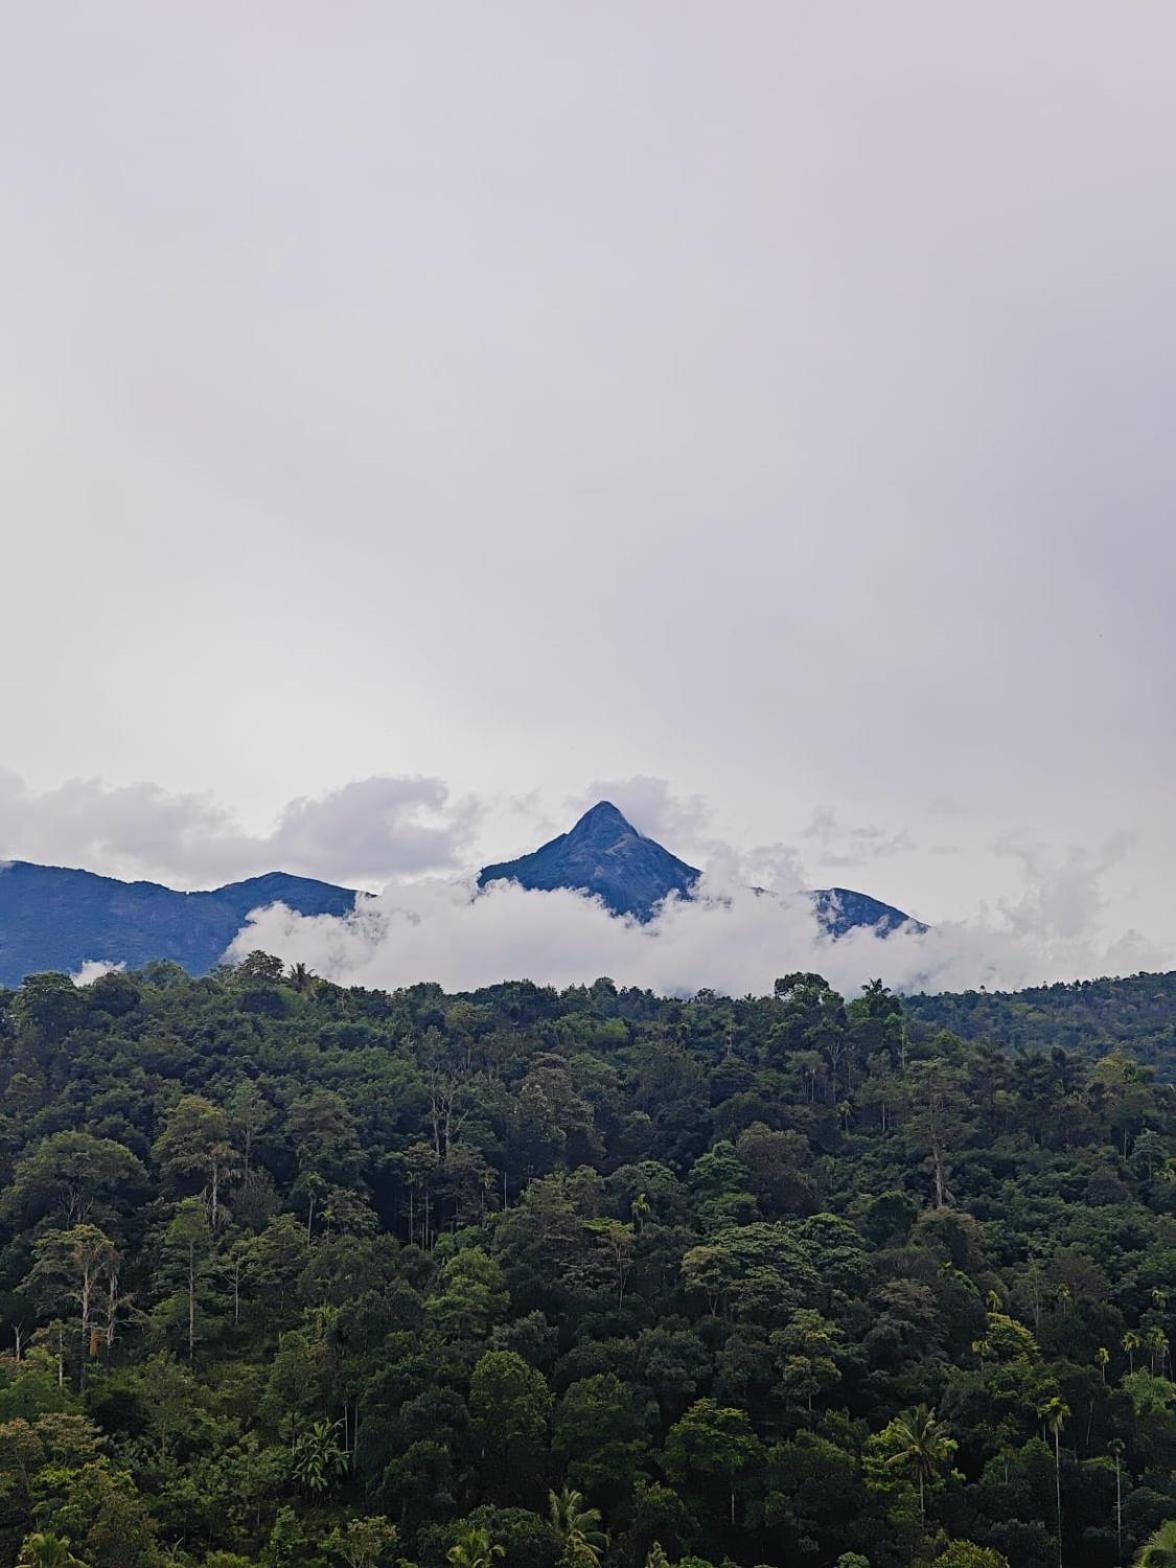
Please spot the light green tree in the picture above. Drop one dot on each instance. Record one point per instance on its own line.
(577, 1527)
(474, 1549)
(1159, 1550)
(363, 1543)
(920, 1446)
(42, 1550)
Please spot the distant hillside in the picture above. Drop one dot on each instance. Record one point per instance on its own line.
(841, 909)
(604, 854)
(55, 918)
(1091, 1017)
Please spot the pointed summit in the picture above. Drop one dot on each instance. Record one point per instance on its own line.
(605, 855)
(601, 821)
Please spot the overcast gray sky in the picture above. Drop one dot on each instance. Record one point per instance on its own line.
(441, 409)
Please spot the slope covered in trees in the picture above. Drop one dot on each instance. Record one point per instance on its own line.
(292, 1274)
(1092, 1017)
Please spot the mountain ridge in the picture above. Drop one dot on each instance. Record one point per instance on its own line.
(605, 855)
(60, 917)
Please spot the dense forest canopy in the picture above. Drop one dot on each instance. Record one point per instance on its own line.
(297, 1274)
(1088, 1016)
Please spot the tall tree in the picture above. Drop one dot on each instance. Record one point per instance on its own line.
(922, 1446)
(1054, 1414)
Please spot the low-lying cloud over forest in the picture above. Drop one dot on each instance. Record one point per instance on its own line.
(729, 938)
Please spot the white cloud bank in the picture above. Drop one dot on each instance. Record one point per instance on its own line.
(729, 938)
(368, 829)
(93, 969)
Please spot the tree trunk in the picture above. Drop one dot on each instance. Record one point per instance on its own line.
(87, 1292)
(191, 1299)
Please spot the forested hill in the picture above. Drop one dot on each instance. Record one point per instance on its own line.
(298, 1275)
(1087, 1016)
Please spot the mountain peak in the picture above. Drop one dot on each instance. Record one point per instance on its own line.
(605, 855)
(604, 817)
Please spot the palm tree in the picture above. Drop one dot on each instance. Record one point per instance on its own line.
(1159, 1550)
(1054, 1413)
(474, 1549)
(577, 1527)
(1102, 1355)
(1117, 1448)
(42, 1550)
(1157, 1346)
(1131, 1343)
(924, 1446)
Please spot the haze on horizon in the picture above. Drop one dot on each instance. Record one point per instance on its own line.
(422, 422)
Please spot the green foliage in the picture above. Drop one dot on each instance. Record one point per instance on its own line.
(292, 1274)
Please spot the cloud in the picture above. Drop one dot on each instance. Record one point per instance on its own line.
(729, 938)
(93, 969)
(368, 830)
(376, 827)
(652, 806)
(854, 846)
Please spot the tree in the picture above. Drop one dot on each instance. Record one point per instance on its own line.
(363, 1543)
(170, 1394)
(921, 1447)
(711, 1443)
(1054, 1414)
(966, 1554)
(42, 1550)
(1159, 1550)
(601, 1435)
(317, 1459)
(187, 1249)
(195, 1147)
(474, 1549)
(578, 1529)
(69, 1175)
(509, 1407)
(1117, 1448)
(75, 1263)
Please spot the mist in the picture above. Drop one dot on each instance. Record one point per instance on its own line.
(728, 938)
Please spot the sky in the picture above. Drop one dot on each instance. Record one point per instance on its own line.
(420, 420)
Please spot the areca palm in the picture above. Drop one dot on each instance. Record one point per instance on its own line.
(1054, 1414)
(1157, 1347)
(577, 1527)
(1117, 1448)
(923, 1447)
(42, 1550)
(1159, 1550)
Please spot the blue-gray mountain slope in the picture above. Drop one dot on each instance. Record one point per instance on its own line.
(54, 918)
(604, 854)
